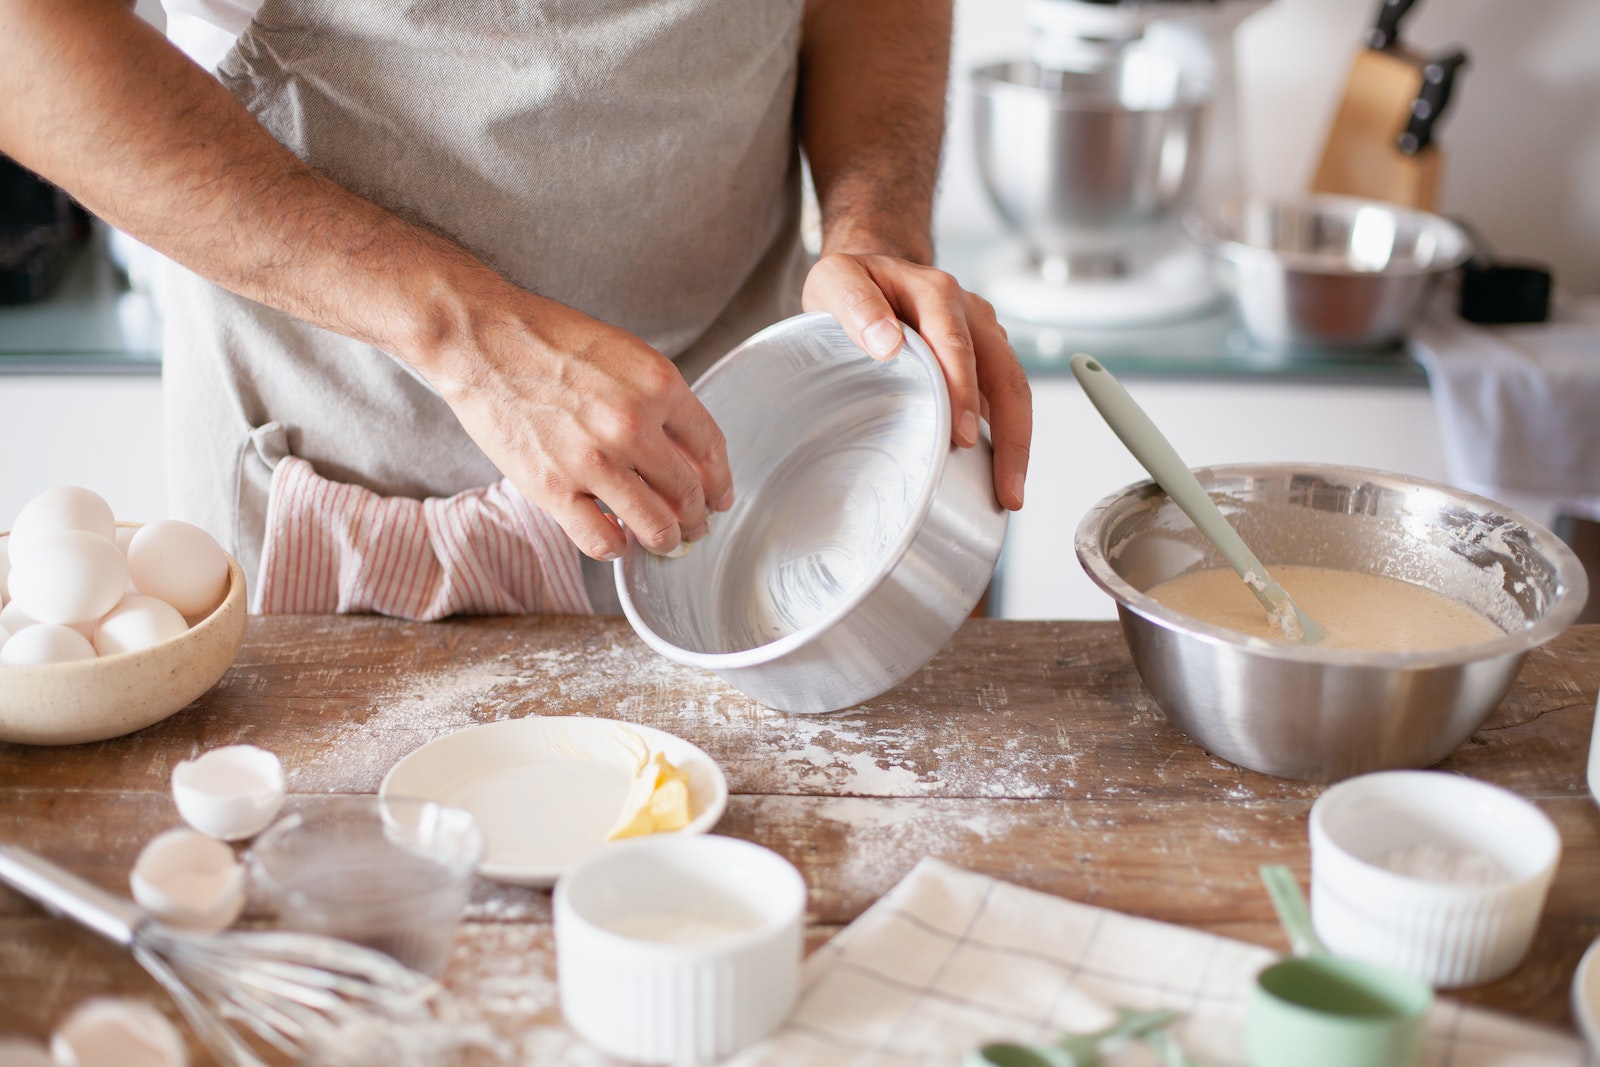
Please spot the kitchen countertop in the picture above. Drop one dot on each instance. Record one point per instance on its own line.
(1025, 750)
(94, 324)
(1212, 345)
(91, 323)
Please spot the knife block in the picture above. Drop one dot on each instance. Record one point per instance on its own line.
(1361, 156)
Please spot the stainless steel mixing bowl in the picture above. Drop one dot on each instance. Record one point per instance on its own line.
(859, 541)
(1087, 165)
(1301, 711)
(1327, 271)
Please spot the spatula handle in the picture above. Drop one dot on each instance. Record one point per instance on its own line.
(1156, 454)
(1152, 449)
(64, 893)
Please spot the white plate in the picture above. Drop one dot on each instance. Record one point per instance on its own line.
(1594, 756)
(1586, 996)
(546, 790)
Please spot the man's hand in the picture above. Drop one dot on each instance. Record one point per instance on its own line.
(873, 80)
(577, 413)
(869, 293)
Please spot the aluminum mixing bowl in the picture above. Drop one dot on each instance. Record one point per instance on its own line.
(859, 541)
(1087, 165)
(1301, 711)
(1327, 271)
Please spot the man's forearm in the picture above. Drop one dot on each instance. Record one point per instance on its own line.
(100, 103)
(872, 105)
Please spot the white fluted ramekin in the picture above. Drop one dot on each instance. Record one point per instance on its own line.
(650, 1000)
(1448, 933)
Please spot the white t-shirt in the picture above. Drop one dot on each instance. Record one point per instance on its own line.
(206, 29)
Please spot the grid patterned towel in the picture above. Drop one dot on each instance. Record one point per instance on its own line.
(949, 960)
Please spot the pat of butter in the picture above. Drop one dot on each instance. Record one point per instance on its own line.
(658, 800)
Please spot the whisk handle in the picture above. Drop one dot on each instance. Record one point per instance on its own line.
(64, 893)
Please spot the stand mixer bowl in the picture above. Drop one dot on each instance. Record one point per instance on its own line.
(1089, 165)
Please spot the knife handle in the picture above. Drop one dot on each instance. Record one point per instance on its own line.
(1438, 79)
(1386, 31)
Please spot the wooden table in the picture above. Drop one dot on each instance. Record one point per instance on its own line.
(1025, 750)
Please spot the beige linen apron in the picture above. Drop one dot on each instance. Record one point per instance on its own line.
(633, 159)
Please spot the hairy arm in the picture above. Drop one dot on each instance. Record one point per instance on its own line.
(873, 79)
(571, 410)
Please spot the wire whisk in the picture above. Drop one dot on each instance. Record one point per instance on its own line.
(313, 1000)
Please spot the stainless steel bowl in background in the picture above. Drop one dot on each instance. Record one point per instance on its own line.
(1327, 271)
(860, 538)
(1301, 711)
(1086, 165)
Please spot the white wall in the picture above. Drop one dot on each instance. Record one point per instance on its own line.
(1521, 140)
(102, 432)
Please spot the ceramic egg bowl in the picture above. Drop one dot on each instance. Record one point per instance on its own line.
(92, 700)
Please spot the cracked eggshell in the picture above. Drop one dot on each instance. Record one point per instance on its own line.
(117, 1032)
(229, 793)
(189, 880)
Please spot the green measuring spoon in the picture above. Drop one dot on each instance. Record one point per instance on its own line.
(1070, 1050)
(1152, 449)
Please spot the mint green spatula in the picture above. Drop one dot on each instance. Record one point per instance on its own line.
(1151, 448)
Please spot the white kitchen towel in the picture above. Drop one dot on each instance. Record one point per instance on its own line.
(1519, 406)
(949, 960)
(335, 547)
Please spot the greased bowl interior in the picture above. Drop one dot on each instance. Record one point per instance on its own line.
(859, 539)
(93, 700)
(1308, 712)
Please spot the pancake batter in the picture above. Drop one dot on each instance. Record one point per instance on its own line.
(1358, 611)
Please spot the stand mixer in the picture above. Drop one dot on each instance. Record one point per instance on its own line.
(1091, 150)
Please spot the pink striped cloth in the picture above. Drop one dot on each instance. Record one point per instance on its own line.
(332, 547)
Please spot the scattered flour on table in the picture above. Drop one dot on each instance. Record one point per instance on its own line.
(845, 751)
(881, 842)
(508, 979)
(416, 708)
(760, 750)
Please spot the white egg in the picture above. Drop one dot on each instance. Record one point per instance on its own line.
(45, 643)
(190, 880)
(229, 793)
(13, 618)
(66, 507)
(117, 1032)
(20, 1052)
(137, 622)
(180, 563)
(124, 535)
(69, 576)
